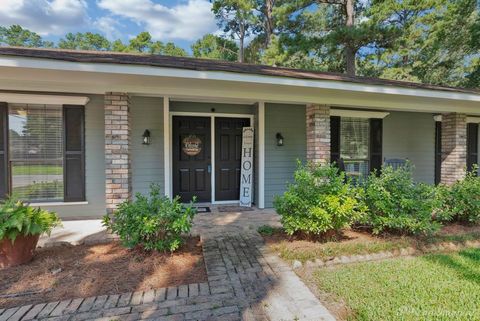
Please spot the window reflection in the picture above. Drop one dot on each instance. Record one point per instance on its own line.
(36, 152)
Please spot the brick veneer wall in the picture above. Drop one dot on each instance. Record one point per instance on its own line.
(454, 147)
(118, 172)
(318, 133)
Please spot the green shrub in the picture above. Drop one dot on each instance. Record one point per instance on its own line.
(17, 218)
(461, 201)
(397, 204)
(268, 230)
(319, 201)
(153, 222)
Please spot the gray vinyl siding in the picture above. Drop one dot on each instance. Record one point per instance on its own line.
(412, 136)
(147, 160)
(280, 161)
(195, 107)
(94, 165)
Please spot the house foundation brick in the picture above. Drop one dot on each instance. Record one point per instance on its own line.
(454, 147)
(318, 133)
(118, 171)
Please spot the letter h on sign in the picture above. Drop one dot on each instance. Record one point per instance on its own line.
(246, 172)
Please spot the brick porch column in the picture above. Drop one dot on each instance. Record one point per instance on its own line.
(454, 147)
(318, 133)
(118, 172)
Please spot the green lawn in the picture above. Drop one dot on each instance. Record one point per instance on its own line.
(355, 243)
(328, 250)
(37, 170)
(430, 287)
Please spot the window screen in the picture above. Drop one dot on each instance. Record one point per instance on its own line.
(36, 152)
(354, 140)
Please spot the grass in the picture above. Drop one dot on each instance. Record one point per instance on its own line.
(332, 249)
(39, 191)
(37, 170)
(356, 243)
(429, 287)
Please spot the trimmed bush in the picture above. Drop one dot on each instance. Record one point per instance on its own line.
(397, 204)
(319, 201)
(461, 201)
(153, 222)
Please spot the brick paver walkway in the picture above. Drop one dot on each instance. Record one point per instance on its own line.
(245, 282)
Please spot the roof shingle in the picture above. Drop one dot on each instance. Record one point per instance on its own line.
(208, 65)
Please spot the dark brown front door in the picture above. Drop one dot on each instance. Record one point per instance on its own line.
(191, 158)
(228, 147)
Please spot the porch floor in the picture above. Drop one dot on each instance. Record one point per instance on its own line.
(206, 225)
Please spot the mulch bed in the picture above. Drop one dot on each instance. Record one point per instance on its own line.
(66, 272)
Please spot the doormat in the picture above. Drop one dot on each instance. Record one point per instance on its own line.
(234, 209)
(203, 209)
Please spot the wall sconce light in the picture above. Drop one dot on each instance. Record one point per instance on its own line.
(146, 137)
(279, 139)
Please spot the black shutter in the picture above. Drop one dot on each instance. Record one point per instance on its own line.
(438, 152)
(335, 139)
(74, 153)
(472, 145)
(376, 133)
(3, 150)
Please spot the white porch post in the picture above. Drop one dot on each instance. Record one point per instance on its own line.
(166, 146)
(261, 154)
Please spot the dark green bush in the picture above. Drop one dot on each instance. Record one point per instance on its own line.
(319, 201)
(153, 222)
(461, 201)
(397, 204)
(17, 218)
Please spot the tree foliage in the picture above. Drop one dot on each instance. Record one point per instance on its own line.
(84, 41)
(143, 43)
(238, 20)
(15, 35)
(215, 47)
(428, 41)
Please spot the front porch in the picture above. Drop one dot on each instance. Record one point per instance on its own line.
(118, 164)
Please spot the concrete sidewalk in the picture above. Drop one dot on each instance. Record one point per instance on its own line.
(77, 232)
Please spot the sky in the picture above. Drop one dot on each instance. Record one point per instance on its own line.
(180, 21)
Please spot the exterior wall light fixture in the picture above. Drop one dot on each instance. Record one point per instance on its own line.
(279, 139)
(146, 137)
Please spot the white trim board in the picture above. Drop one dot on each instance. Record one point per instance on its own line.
(40, 204)
(166, 147)
(43, 99)
(261, 154)
(470, 119)
(112, 68)
(169, 154)
(358, 113)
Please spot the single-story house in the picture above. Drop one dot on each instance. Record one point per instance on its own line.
(82, 131)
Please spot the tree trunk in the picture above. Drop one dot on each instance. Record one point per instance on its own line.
(269, 21)
(241, 47)
(350, 60)
(349, 49)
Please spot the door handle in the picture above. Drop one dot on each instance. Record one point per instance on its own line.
(209, 168)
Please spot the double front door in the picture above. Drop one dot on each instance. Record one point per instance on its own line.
(192, 157)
